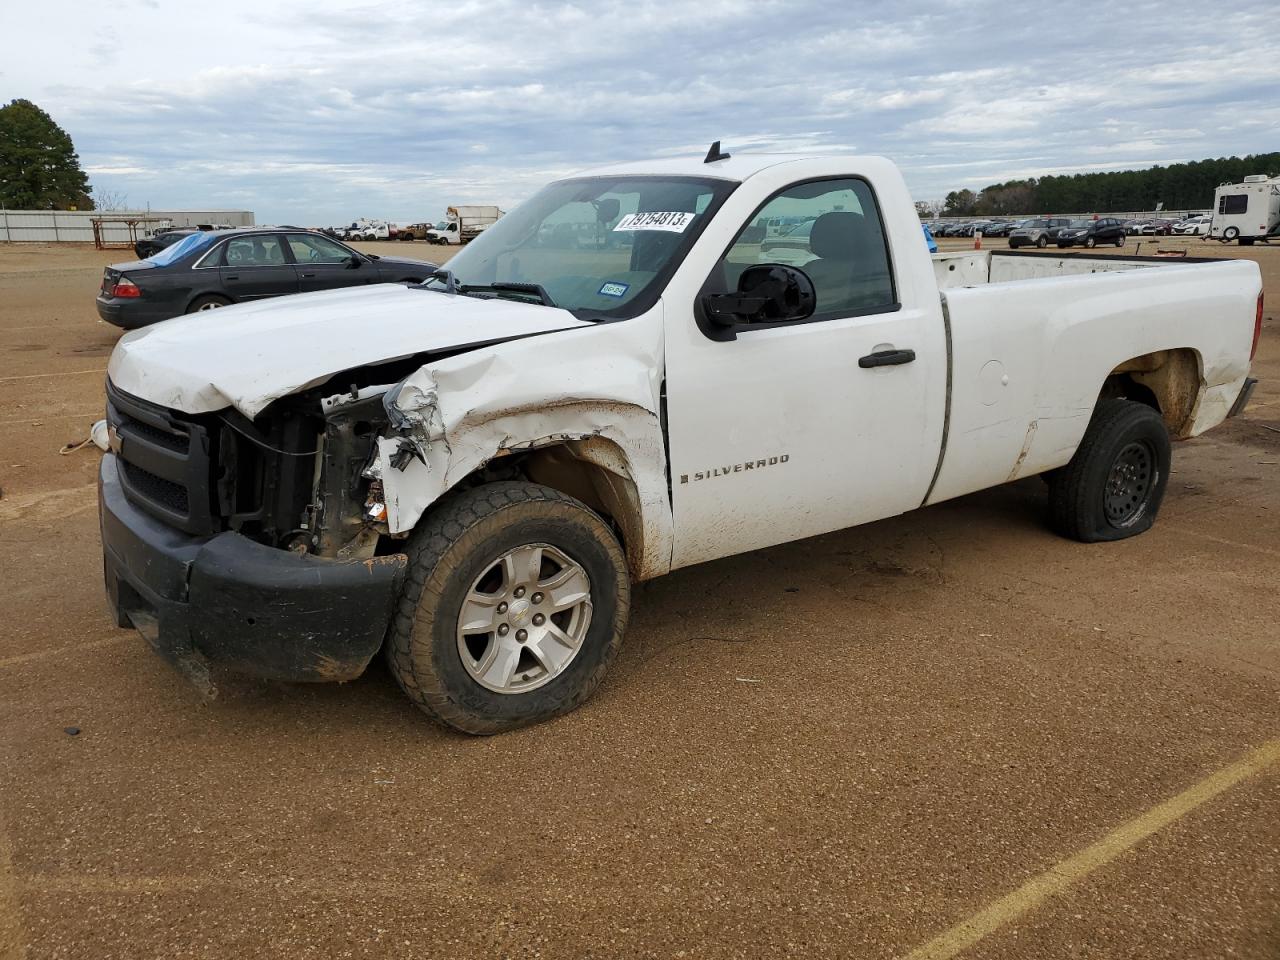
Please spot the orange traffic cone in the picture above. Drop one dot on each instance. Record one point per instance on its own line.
(977, 239)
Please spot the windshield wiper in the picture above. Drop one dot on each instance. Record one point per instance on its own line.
(445, 276)
(451, 285)
(515, 287)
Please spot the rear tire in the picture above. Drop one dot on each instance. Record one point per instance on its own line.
(1229, 234)
(1090, 242)
(209, 302)
(1120, 240)
(1042, 242)
(1113, 487)
(470, 553)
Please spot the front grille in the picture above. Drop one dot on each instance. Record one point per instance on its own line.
(155, 489)
(165, 462)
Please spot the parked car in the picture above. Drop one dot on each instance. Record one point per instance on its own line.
(469, 474)
(1037, 233)
(1194, 226)
(414, 231)
(998, 228)
(1090, 233)
(147, 246)
(211, 269)
(1140, 228)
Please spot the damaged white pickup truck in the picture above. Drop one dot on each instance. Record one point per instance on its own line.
(620, 378)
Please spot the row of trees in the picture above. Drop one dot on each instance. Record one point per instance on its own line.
(1179, 186)
(39, 167)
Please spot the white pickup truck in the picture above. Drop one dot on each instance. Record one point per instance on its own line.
(613, 382)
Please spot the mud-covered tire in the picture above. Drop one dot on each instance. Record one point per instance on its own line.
(453, 546)
(1113, 487)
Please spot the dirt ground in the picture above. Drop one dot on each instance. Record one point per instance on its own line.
(845, 747)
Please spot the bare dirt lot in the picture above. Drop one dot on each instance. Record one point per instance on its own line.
(949, 729)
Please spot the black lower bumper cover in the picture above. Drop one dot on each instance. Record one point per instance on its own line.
(238, 604)
(1242, 401)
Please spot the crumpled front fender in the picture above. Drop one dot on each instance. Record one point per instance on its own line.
(457, 414)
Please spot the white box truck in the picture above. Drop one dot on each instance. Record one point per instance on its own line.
(1247, 211)
(461, 224)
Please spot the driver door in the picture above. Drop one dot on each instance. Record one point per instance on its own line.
(324, 264)
(781, 432)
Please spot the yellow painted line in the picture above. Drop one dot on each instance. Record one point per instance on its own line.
(1058, 878)
(12, 945)
(63, 373)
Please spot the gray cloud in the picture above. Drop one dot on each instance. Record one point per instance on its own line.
(338, 110)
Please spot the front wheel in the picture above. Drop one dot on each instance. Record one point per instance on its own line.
(1090, 242)
(1113, 487)
(1120, 240)
(514, 607)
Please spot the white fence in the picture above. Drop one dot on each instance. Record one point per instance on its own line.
(76, 226)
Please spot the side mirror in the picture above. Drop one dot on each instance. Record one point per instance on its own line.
(354, 261)
(767, 293)
(607, 210)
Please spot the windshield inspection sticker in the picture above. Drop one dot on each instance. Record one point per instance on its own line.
(613, 289)
(673, 221)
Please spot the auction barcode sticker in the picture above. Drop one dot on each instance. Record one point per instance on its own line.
(673, 221)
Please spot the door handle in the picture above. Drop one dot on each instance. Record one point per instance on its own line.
(886, 358)
(234, 276)
(308, 276)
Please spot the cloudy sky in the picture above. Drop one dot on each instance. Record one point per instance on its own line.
(324, 111)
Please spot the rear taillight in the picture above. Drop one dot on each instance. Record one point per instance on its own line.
(1257, 330)
(126, 288)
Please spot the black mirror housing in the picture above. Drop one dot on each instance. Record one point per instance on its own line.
(354, 261)
(767, 293)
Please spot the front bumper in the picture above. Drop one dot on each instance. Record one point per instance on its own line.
(231, 602)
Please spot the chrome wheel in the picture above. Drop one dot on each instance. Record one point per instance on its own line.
(524, 619)
(210, 305)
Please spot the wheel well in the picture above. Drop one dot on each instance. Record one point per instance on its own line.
(207, 295)
(1167, 380)
(593, 471)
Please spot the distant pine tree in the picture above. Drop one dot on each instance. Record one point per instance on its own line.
(1179, 186)
(39, 168)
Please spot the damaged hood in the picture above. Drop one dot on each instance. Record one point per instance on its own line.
(248, 355)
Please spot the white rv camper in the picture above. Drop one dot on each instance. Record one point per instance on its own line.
(1247, 211)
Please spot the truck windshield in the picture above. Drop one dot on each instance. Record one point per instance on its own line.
(600, 246)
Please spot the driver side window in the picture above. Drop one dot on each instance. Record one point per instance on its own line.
(831, 230)
(311, 249)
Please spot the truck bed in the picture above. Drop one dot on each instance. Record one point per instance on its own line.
(1029, 358)
(972, 268)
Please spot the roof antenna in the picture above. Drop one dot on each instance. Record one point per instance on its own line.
(714, 154)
